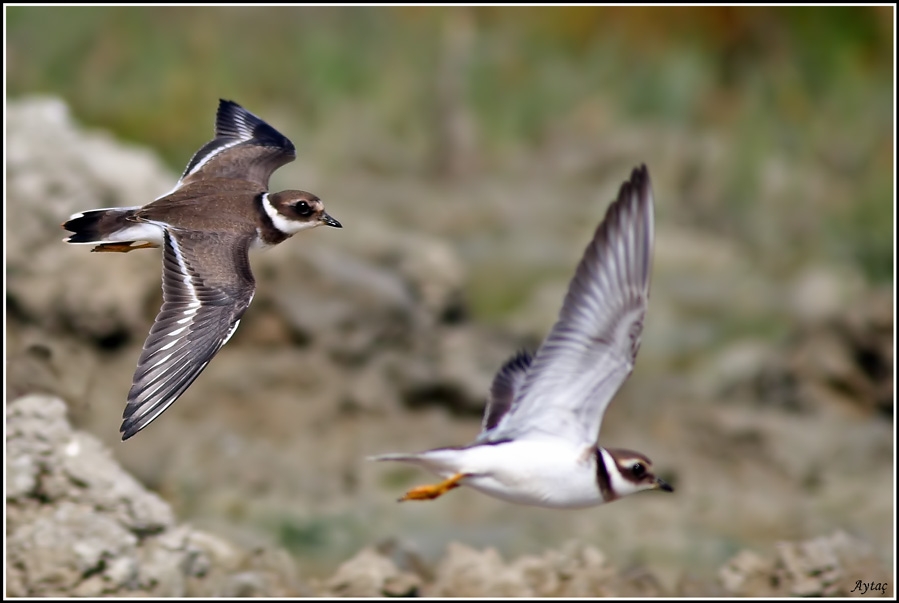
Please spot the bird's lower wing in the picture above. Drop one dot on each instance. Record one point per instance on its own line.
(207, 286)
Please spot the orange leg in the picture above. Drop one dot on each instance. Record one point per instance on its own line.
(432, 491)
(123, 247)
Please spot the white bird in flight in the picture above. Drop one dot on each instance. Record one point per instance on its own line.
(538, 441)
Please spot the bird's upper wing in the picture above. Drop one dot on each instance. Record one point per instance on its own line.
(591, 349)
(206, 287)
(244, 148)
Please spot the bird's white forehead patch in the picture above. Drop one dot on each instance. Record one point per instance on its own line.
(282, 222)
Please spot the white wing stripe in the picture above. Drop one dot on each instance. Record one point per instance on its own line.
(209, 157)
(162, 360)
(171, 343)
(158, 383)
(185, 275)
(246, 132)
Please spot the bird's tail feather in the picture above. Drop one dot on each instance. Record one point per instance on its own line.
(401, 457)
(99, 225)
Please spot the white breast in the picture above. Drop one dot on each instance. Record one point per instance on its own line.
(546, 473)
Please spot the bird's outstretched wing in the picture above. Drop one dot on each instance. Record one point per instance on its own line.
(591, 349)
(244, 148)
(206, 285)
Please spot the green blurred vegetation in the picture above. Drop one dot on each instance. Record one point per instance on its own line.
(811, 85)
(322, 540)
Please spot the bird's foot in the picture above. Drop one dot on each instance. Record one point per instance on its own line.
(432, 491)
(123, 247)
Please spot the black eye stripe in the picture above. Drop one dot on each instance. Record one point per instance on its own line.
(303, 208)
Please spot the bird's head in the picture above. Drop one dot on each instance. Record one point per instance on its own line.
(631, 472)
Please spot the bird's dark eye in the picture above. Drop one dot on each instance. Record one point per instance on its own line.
(638, 469)
(303, 208)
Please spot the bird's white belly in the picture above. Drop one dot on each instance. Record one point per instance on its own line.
(533, 473)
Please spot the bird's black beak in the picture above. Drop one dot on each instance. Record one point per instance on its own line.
(663, 485)
(328, 220)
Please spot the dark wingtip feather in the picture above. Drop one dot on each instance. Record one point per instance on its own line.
(231, 119)
(130, 426)
(640, 176)
(520, 361)
(638, 183)
(227, 116)
(127, 432)
(505, 386)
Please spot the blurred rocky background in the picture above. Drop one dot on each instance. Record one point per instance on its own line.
(469, 154)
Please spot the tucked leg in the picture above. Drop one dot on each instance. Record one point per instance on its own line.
(123, 247)
(432, 491)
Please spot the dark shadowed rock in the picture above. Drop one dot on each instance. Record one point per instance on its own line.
(843, 360)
